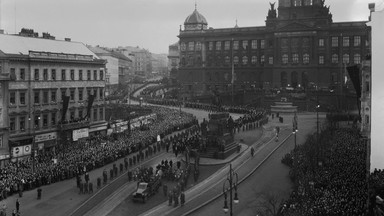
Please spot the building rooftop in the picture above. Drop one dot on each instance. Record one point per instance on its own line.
(107, 52)
(13, 44)
(195, 18)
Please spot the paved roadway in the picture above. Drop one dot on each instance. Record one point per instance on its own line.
(213, 185)
(270, 178)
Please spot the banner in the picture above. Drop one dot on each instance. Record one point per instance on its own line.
(27, 149)
(354, 74)
(46, 137)
(91, 98)
(17, 151)
(20, 151)
(65, 107)
(80, 133)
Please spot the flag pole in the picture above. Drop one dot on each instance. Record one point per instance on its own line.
(233, 73)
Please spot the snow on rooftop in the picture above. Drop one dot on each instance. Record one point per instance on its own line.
(14, 44)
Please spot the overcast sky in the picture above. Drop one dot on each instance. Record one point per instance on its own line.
(150, 24)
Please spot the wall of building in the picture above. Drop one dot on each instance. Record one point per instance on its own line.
(377, 136)
(112, 69)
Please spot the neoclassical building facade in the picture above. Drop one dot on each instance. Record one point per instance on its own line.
(42, 73)
(299, 46)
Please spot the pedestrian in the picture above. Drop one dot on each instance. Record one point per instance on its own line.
(81, 188)
(111, 173)
(105, 177)
(78, 179)
(17, 205)
(86, 177)
(175, 198)
(126, 163)
(170, 197)
(182, 198)
(90, 187)
(252, 151)
(39, 191)
(13, 213)
(85, 186)
(165, 189)
(98, 183)
(196, 175)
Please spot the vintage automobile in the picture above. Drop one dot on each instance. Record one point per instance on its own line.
(147, 189)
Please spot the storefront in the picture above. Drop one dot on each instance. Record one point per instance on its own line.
(80, 133)
(120, 127)
(21, 152)
(21, 147)
(46, 142)
(100, 129)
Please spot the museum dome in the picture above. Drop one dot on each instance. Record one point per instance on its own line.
(195, 18)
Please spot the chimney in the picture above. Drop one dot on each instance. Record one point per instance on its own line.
(46, 35)
(371, 7)
(67, 39)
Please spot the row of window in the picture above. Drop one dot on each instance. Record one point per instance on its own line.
(46, 74)
(284, 59)
(46, 120)
(226, 45)
(346, 59)
(346, 41)
(50, 96)
(296, 3)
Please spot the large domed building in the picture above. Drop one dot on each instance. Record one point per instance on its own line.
(299, 46)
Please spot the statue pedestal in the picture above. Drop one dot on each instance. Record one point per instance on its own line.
(219, 139)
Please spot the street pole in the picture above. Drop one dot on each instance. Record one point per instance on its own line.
(233, 73)
(317, 131)
(231, 186)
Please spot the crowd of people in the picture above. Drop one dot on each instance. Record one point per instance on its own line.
(376, 186)
(77, 158)
(330, 176)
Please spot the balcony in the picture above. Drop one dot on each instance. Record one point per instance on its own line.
(69, 125)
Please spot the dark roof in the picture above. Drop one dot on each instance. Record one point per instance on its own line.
(195, 18)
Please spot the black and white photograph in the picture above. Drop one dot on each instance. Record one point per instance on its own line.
(191, 107)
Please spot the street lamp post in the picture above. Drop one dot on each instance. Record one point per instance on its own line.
(232, 185)
(294, 131)
(317, 130)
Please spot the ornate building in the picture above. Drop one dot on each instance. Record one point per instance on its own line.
(299, 46)
(43, 72)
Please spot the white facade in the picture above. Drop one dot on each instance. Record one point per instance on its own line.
(112, 69)
(377, 135)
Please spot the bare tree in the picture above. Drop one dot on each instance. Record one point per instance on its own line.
(268, 203)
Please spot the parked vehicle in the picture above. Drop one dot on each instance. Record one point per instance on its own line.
(147, 189)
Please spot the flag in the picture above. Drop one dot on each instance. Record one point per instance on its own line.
(90, 102)
(354, 74)
(65, 107)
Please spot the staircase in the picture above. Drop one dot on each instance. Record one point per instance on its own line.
(283, 107)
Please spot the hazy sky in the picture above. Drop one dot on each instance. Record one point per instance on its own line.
(150, 24)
